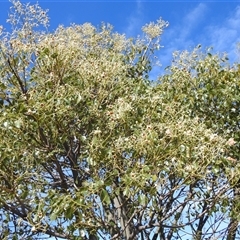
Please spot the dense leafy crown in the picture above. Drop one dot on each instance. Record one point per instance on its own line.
(90, 148)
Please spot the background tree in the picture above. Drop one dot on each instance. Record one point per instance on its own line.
(209, 85)
(92, 149)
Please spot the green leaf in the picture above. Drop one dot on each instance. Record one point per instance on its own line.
(55, 214)
(18, 123)
(54, 55)
(46, 51)
(25, 194)
(69, 213)
(104, 196)
(142, 199)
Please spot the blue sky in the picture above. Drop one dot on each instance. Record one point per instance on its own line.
(209, 23)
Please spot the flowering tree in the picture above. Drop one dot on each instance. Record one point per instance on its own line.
(209, 86)
(92, 149)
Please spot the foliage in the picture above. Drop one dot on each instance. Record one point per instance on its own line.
(92, 149)
(211, 90)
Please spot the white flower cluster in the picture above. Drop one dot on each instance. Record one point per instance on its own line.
(26, 17)
(122, 108)
(154, 30)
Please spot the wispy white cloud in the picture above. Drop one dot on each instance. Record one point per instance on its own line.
(135, 20)
(197, 26)
(180, 36)
(193, 18)
(194, 29)
(225, 35)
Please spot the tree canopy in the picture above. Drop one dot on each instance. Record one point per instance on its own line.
(92, 148)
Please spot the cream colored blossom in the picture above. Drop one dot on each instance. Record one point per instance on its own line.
(231, 159)
(213, 137)
(231, 142)
(168, 132)
(154, 30)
